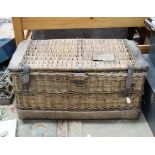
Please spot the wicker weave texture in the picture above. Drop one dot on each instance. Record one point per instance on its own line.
(75, 54)
(76, 75)
(76, 82)
(72, 101)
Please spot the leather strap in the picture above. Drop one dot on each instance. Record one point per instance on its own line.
(26, 78)
(129, 82)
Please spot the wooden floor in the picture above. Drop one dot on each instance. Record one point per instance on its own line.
(81, 128)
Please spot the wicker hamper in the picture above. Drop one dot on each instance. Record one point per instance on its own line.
(78, 78)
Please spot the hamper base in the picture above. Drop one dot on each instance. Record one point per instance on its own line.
(49, 114)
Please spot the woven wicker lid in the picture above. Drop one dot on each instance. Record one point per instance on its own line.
(77, 55)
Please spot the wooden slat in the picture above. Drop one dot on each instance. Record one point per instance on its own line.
(69, 128)
(62, 128)
(75, 128)
(39, 23)
(18, 29)
(144, 48)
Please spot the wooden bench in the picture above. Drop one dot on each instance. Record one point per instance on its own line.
(21, 24)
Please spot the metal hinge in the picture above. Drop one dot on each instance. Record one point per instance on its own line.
(129, 83)
(26, 78)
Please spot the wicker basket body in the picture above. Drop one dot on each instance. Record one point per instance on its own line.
(78, 77)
